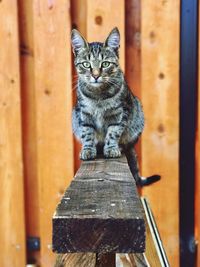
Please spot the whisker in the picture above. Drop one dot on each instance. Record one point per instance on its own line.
(113, 83)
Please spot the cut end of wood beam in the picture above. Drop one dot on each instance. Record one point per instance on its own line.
(100, 211)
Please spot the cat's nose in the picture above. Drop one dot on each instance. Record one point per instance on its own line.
(95, 74)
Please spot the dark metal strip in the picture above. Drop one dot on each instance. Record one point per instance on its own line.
(188, 93)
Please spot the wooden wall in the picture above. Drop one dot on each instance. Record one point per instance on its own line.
(12, 232)
(38, 152)
(46, 110)
(160, 98)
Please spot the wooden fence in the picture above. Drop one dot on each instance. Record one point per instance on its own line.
(38, 153)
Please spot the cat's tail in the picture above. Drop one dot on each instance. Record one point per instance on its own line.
(133, 165)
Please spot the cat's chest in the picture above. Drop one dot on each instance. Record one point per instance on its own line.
(100, 112)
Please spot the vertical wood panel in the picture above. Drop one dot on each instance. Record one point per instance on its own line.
(48, 95)
(133, 45)
(160, 98)
(78, 9)
(12, 236)
(54, 102)
(133, 51)
(102, 17)
(29, 120)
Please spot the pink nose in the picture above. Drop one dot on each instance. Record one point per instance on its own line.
(95, 74)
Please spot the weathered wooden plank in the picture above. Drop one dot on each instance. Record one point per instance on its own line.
(12, 233)
(105, 260)
(47, 95)
(154, 254)
(160, 98)
(100, 211)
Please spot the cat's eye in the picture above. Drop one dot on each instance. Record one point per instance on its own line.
(86, 64)
(105, 64)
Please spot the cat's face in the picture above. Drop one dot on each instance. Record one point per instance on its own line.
(96, 63)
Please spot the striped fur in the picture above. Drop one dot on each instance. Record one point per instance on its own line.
(106, 112)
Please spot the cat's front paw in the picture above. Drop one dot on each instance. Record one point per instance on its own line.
(88, 153)
(112, 152)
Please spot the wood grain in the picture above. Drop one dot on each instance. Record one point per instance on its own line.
(78, 16)
(100, 211)
(100, 22)
(133, 45)
(48, 95)
(29, 121)
(133, 52)
(12, 233)
(105, 260)
(154, 254)
(76, 260)
(160, 98)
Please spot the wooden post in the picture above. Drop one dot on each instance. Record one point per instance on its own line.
(47, 104)
(100, 212)
(160, 98)
(12, 233)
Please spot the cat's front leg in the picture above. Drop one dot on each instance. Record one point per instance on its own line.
(111, 147)
(88, 141)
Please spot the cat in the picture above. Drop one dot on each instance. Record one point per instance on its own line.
(106, 114)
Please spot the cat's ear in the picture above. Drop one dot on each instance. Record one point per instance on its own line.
(78, 42)
(113, 39)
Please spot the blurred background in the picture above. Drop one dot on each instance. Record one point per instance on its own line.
(38, 154)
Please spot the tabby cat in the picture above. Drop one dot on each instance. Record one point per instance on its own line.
(106, 114)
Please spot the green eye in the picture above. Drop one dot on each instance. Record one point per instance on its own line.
(86, 64)
(105, 64)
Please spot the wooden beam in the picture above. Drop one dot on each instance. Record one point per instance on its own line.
(154, 254)
(100, 211)
(12, 233)
(160, 98)
(47, 93)
(105, 260)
